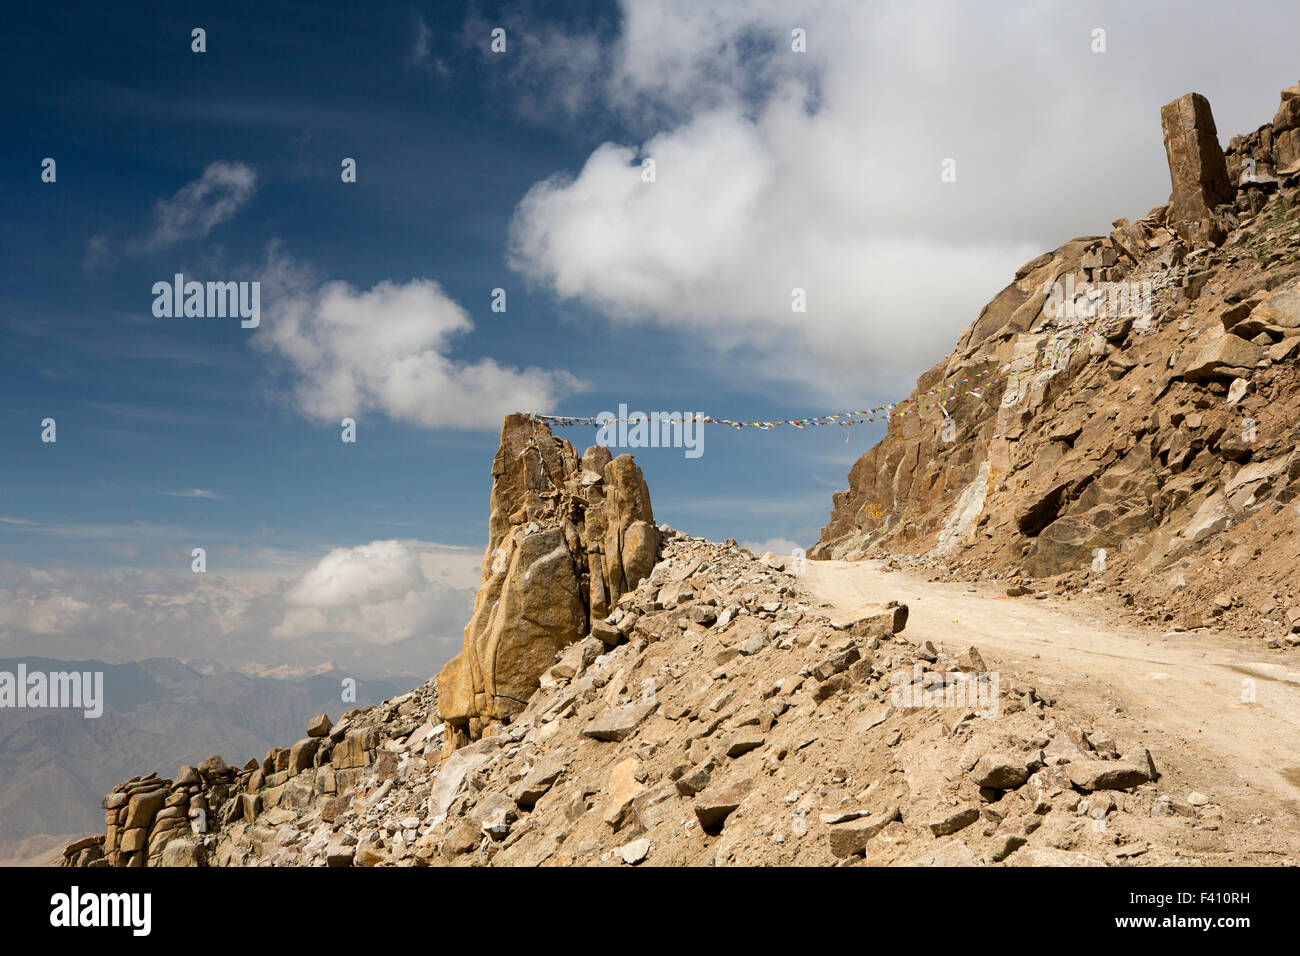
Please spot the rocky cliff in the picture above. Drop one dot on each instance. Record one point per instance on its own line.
(1137, 424)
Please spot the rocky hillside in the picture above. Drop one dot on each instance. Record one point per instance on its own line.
(1123, 416)
(710, 712)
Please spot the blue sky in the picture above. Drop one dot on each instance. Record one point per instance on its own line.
(517, 170)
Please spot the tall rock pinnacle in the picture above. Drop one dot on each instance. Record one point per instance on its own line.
(566, 538)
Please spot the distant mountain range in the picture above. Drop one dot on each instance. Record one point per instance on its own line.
(56, 765)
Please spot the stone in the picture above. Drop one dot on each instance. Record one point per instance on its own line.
(1197, 169)
(319, 726)
(539, 781)
(831, 687)
(495, 814)
(655, 805)
(215, 769)
(743, 741)
(1004, 844)
(632, 540)
(370, 854)
(693, 781)
(1220, 357)
(1285, 350)
(953, 819)
(74, 848)
(1000, 771)
(835, 663)
(301, 755)
(872, 620)
(606, 633)
(451, 780)
(133, 839)
(1050, 856)
(850, 839)
(142, 808)
(971, 661)
(340, 850)
(1089, 775)
(619, 723)
(1281, 310)
(180, 852)
(953, 853)
(714, 805)
(622, 788)
(634, 852)
(297, 794)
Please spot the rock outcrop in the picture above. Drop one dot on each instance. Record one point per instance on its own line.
(1148, 448)
(1196, 167)
(566, 538)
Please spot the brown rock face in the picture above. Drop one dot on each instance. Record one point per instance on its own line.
(1196, 167)
(1093, 457)
(566, 538)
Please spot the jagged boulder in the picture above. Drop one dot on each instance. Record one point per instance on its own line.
(566, 538)
(1218, 357)
(1196, 167)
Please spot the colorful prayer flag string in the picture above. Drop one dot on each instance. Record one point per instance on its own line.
(868, 415)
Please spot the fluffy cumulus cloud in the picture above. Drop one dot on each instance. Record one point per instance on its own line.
(396, 605)
(378, 592)
(388, 349)
(199, 206)
(777, 546)
(777, 170)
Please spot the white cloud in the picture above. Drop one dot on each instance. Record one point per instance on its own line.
(778, 546)
(376, 592)
(199, 206)
(388, 349)
(777, 171)
(195, 493)
(367, 574)
(421, 56)
(821, 171)
(97, 254)
(420, 46)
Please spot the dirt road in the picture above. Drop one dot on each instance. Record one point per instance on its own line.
(1220, 715)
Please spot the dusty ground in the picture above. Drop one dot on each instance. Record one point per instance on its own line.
(1221, 712)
